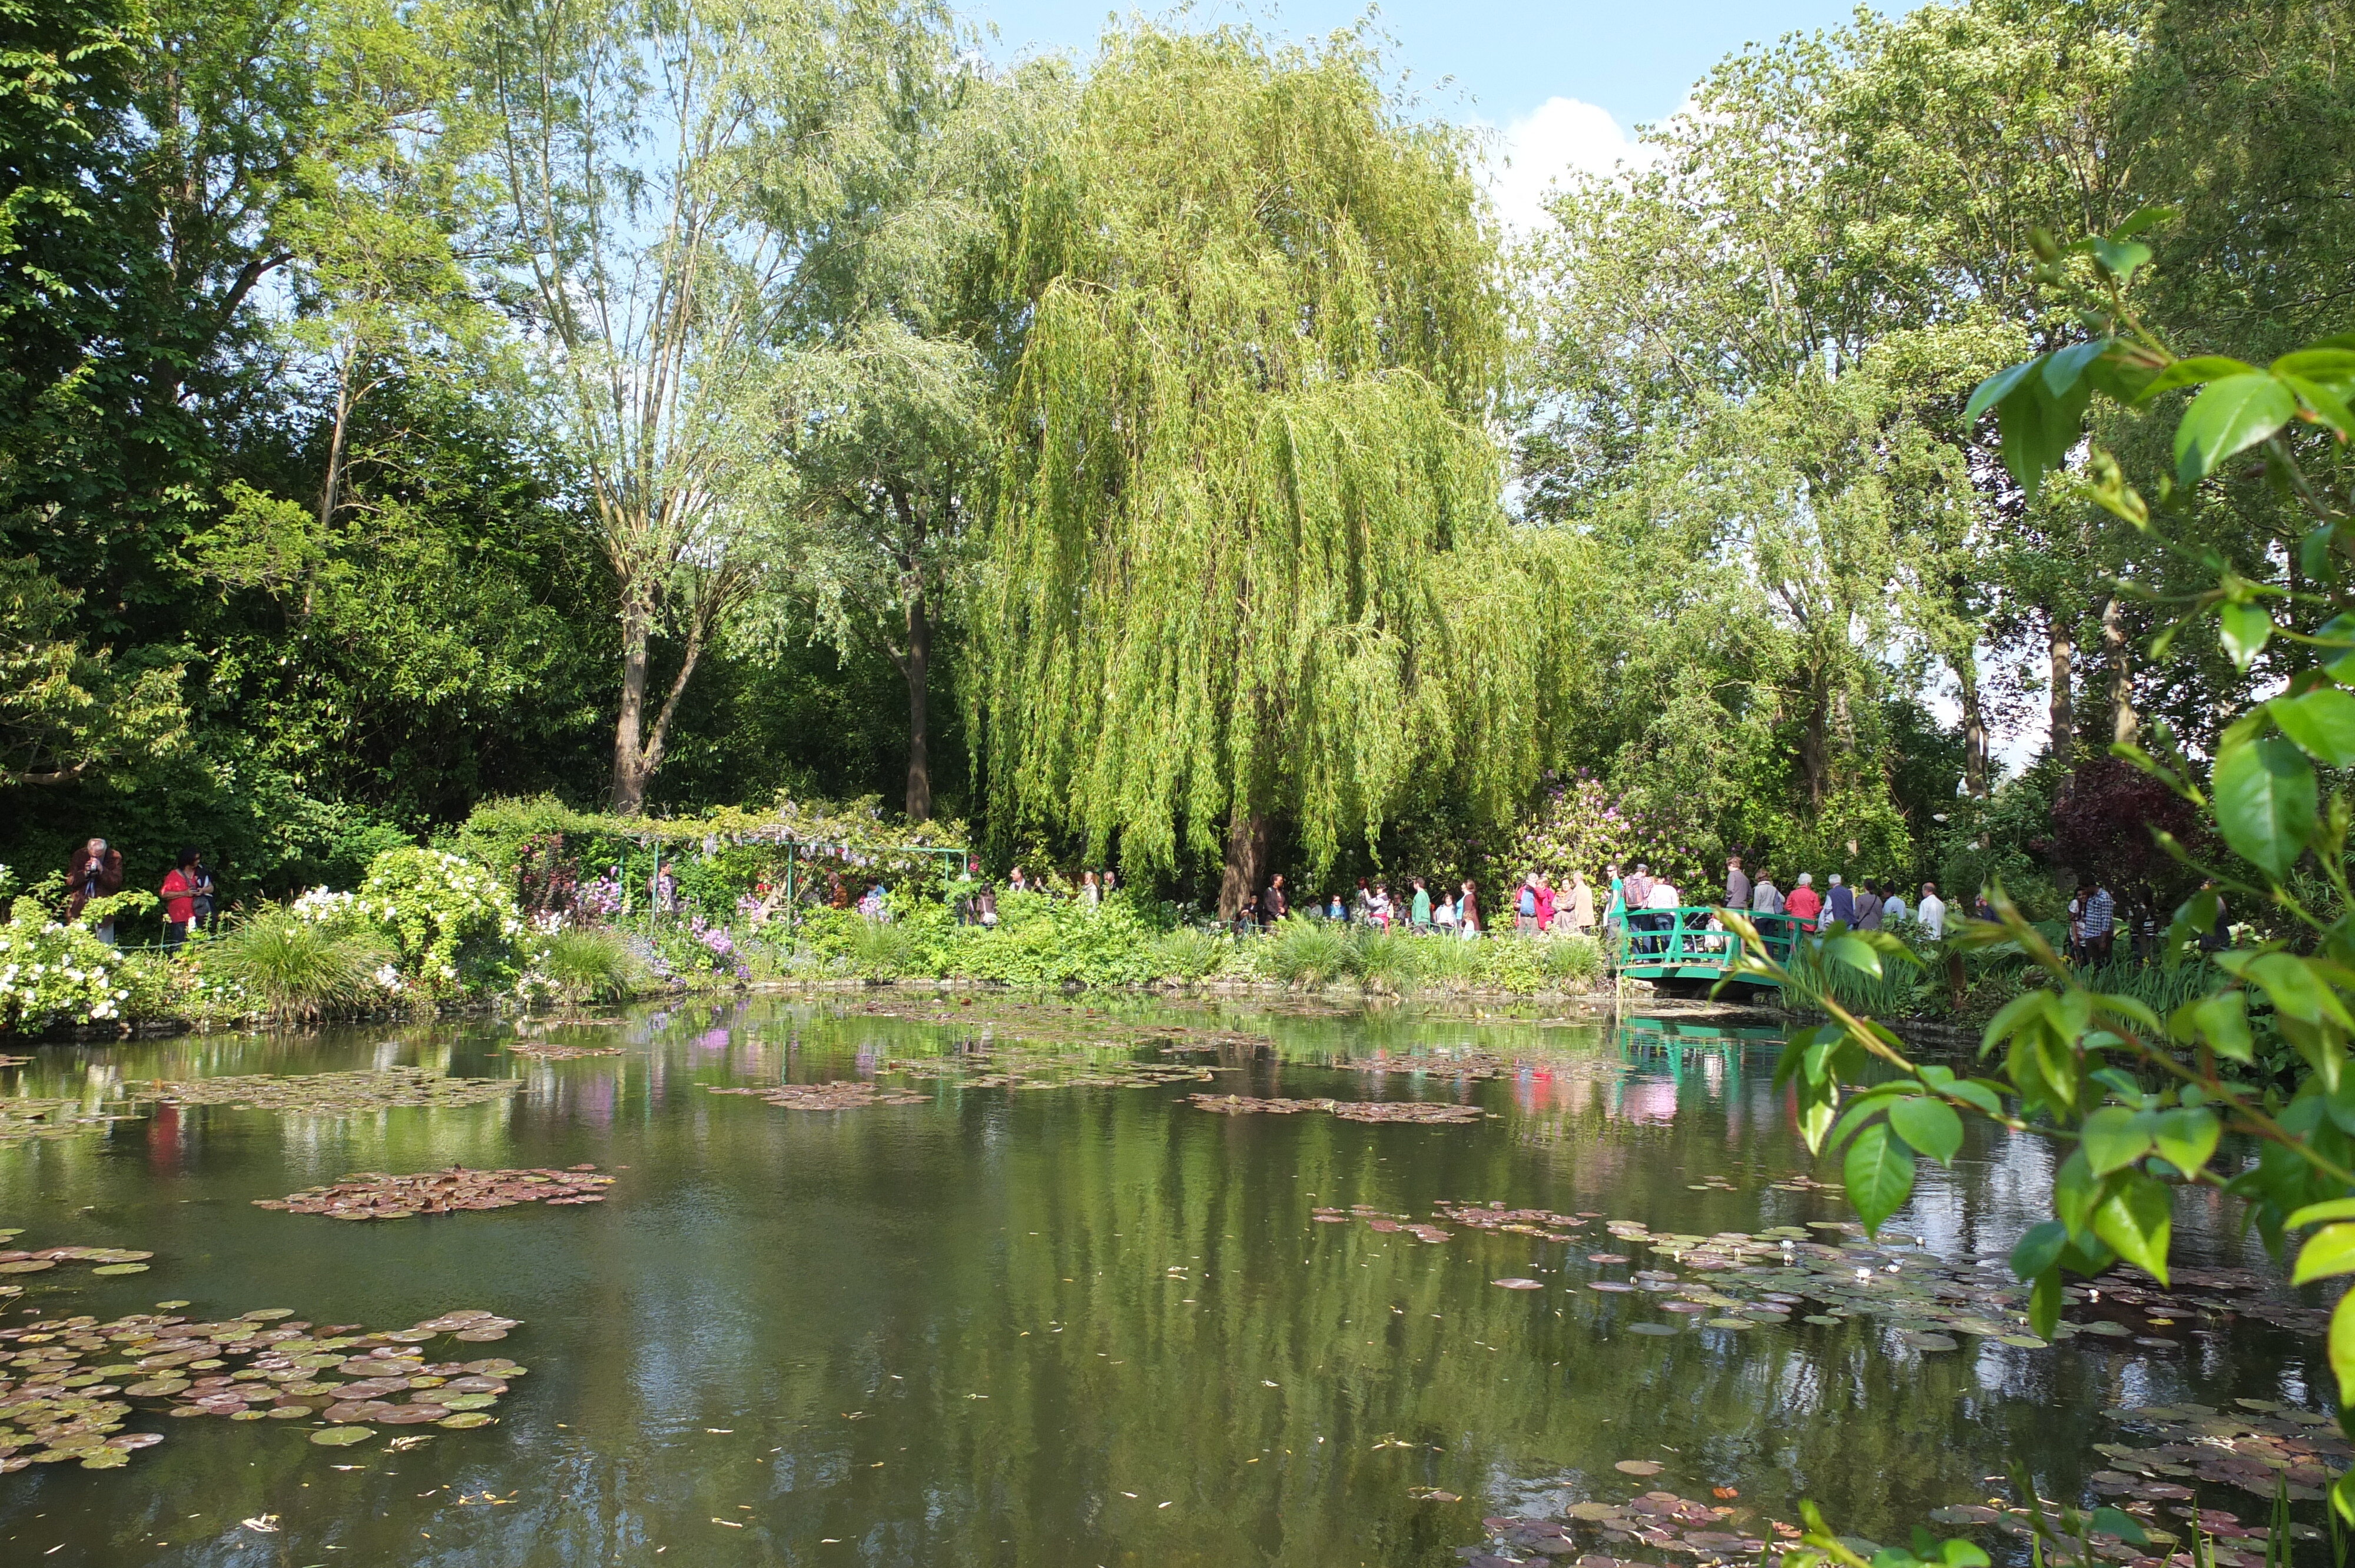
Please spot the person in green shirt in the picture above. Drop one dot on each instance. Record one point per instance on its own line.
(1418, 913)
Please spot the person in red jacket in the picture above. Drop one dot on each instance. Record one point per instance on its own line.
(180, 888)
(1805, 903)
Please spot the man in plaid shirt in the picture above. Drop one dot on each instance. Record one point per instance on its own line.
(2101, 923)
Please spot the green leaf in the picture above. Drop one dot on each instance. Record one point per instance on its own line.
(2137, 1221)
(1880, 1176)
(2149, 216)
(1815, 1121)
(2342, 1490)
(2062, 366)
(1996, 387)
(2021, 424)
(2329, 1251)
(1855, 953)
(2044, 1304)
(2222, 1021)
(2021, 1010)
(2322, 723)
(2247, 628)
(2328, 406)
(2297, 989)
(1961, 1554)
(2039, 1250)
(2120, 258)
(2186, 1139)
(1930, 1126)
(2116, 1521)
(2115, 1137)
(2314, 1214)
(1981, 1097)
(2334, 646)
(2319, 365)
(2193, 371)
(2264, 803)
(2229, 416)
(2075, 1190)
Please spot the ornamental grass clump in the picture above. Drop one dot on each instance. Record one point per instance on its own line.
(882, 951)
(291, 967)
(1189, 953)
(589, 963)
(1301, 951)
(1390, 961)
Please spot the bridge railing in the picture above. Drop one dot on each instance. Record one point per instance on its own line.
(1691, 936)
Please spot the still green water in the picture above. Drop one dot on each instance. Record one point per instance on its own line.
(1070, 1327)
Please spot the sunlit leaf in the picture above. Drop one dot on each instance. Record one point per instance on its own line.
(2265, 800)
(2116, 1138)
(2186, 1138)
(2329, 1251)
(1996, 387)
(2322, 723)
(2192, 372)
(2245, 630)
(2137, 1221)
(2229, 416)
(1879, 1173)
(1929, 1126)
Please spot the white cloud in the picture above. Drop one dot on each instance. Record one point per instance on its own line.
(1531, 153)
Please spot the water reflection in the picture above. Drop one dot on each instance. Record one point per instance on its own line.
(1009, 1327)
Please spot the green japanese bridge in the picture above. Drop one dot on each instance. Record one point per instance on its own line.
(1687, 947)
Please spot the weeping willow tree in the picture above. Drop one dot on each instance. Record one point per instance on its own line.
(1249, 562)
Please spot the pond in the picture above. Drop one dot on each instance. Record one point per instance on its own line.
(994, 1316)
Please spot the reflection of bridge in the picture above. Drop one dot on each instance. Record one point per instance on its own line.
(1680, 1042)
(1686, 948)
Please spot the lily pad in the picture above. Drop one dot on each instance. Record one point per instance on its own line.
(1638, 1466)
(1661, 1328)
(121, 1268)
(341, 1436)
(373, 1195)
(464, 1419)
(1519, 1284)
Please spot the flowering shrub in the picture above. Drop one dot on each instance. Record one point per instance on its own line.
(454, 924)
(1581, 825)
(52, 973)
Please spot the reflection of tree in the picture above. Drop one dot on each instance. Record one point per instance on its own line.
(767, 1271)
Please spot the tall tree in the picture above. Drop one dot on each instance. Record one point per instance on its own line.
(1247, 560)
(899, 335)
(656, 159)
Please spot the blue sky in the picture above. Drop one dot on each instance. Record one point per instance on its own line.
(1565, 83)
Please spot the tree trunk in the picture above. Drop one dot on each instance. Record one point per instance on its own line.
(2119, 651)
(1246, 859)
(2059, 650)
(1975, 736)
(915, 669)
(1815, 745)
(629, 757)
(635, 759)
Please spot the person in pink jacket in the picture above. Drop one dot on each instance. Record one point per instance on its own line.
(1804, 902)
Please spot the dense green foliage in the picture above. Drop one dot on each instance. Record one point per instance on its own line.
(1118, 456)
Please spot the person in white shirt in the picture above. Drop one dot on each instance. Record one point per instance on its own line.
(1894, 910)
(1766, 898)
(1931, 912)
(1663, 896)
